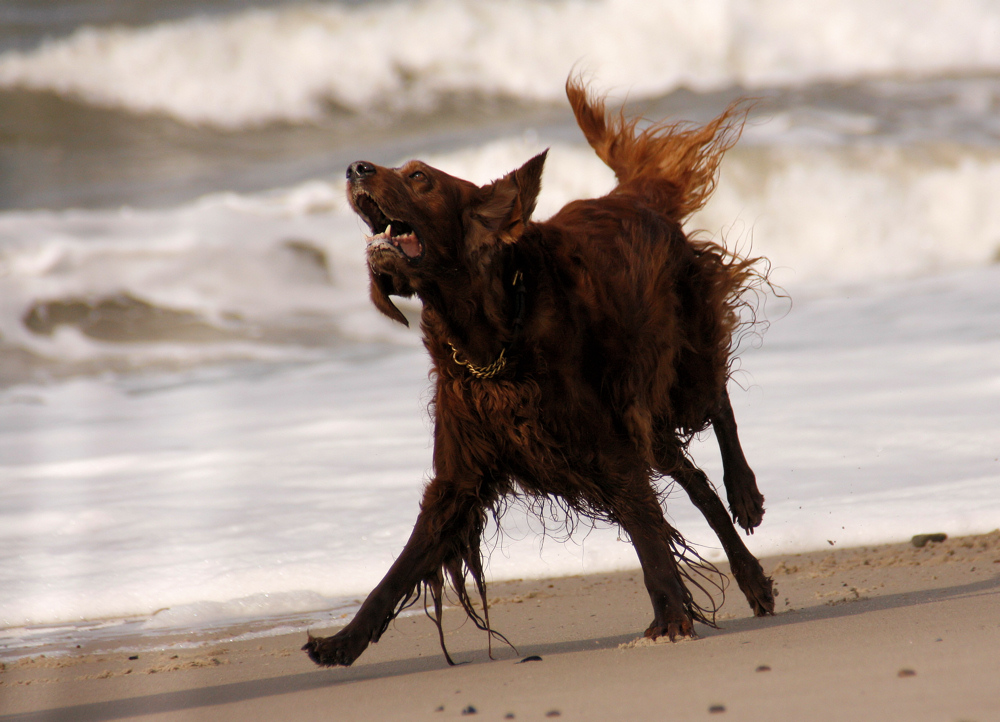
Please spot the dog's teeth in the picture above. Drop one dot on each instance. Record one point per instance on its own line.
(383, 236)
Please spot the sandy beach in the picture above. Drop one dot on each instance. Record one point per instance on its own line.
(887, 632)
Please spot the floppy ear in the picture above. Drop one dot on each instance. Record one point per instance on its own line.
(507, 204)
(379, 289)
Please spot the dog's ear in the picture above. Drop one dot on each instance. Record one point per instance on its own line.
(379, 289)
(529, 183)
(507, 204)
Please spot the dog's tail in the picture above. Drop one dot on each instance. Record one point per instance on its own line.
(677, 163)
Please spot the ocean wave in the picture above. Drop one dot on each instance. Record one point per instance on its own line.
(839, 216)
(224, 277)
(296, 64)
(282, 275)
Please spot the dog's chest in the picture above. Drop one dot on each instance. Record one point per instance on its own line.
(506, 416)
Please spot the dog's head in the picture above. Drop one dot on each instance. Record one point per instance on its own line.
(425, 223)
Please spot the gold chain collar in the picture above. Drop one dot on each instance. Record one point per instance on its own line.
(481, 372)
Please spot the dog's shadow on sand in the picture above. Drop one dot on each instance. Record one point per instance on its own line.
(855, 607)
(167, 702)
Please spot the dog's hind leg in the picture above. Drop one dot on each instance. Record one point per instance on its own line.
(655, 543)
(745, 500)
(749, 575)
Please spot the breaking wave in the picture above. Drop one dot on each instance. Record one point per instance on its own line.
(299, 63)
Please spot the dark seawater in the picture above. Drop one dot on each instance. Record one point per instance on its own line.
(57, 152)
(26, 23)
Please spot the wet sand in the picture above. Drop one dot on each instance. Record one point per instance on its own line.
(892, 632)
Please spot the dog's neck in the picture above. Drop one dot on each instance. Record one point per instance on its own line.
(497, 366)
(484, 329)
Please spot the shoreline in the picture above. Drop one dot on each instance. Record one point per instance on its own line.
(907, 632)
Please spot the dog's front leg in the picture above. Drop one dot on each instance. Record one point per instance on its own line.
(446, 534)
(745, 500)
(640, 516)
(419, 558)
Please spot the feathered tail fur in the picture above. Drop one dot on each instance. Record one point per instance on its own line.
(685, 157)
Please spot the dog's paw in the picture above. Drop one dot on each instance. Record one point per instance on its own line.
(673, 629)
(761, 599)
(757, 587)
(760, 595)
(339, 650)
(746, 503)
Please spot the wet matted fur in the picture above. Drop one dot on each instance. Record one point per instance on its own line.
(573, 360)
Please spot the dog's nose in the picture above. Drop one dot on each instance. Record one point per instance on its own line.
(360, 169)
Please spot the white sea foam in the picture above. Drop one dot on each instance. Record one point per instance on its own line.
(292, 63)
(240, 264)
(839, 215)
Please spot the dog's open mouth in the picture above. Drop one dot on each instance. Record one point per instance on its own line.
(387, 231)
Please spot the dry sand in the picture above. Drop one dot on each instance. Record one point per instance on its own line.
(891, 632)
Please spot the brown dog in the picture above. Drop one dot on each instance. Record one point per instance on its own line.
(573, 360)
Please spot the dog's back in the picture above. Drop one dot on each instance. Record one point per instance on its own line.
(662, 304)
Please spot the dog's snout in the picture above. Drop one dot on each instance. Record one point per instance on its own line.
(360, 169)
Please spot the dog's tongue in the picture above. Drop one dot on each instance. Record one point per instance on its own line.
(409, 245)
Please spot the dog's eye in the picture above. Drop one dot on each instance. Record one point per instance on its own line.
(417, 175)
